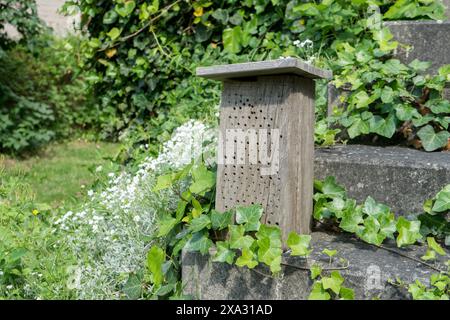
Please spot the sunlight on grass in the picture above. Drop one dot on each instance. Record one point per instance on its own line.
(62, 172)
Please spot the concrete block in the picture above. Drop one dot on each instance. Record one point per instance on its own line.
(368, 272)
(402, 178)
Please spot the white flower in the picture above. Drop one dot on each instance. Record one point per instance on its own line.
(90, 193)
(99, 169)
(9, 287)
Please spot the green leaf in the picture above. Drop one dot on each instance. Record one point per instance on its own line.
(442, 202)
(224, 254)
(347, 293)
(384, 36)
(429, 255)
(316, 271)
(247, 259)
(432, 244)
(334, 282)
(16, 254)
(318, 292)
(133, 287)
(273, 233)
(331, 189)
(164, 182)
(114, 33)
(419, 66)
(221, 220)
(155, 260)
(249, 216)
(441, 106)
(166, 224)
(431, 140)
(269, 254)
(406, 112)
(237, 238)
(299, 244)
(232, 39)
(358, 127)
(383, 126)
(199, 242)
(371, 231)
(200, 223)
(126, 9)
(204, 180)
(351, 222)
(329, 253)
(387, 95)
(408, 232)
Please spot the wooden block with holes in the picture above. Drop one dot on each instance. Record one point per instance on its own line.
(266, 142)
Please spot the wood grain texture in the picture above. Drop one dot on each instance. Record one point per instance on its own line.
(265, 106)
(260, 68)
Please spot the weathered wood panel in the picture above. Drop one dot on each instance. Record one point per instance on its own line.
(266, 149)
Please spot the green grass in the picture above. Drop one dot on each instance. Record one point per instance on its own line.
(62, 172)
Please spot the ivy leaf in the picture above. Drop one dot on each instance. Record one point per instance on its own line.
(347, 293)
(166, 224)
(408, 232)
(247, 259)
(155, 260)
(219, 220)
(232, 38)
(429, 255)
(133, 287)
(318, 292)
(331, 189)
(371, 232)
(114, 33)
(387, 95)
(269, 243)
(221, 15)
(199, 242)
(200, 223)
(419, 66)
(329, 253)
(442, 202)
(384, 36)
(432, 244)
(405, 112)
(224, 254)
(431, 140)
(351, 220)
(270, 254)
(442, 106)
(110, 17)
(358, 127)
(272, 233)
(299, 244)
(164, 182)
(334, 282)
(204, 180)
(383, 126)
(237, 238)
(250, 216)
(126, 9)
(316, 271)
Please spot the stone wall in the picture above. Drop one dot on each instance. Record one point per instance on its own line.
(48, 12)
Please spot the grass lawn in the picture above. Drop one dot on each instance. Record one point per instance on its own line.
(62, 172)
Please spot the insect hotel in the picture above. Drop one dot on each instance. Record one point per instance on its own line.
(266, 142)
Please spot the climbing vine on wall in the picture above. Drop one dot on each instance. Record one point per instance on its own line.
(143, 53)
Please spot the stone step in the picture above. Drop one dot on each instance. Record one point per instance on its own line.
(368, 272)
(429, 41)
(402, 178)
